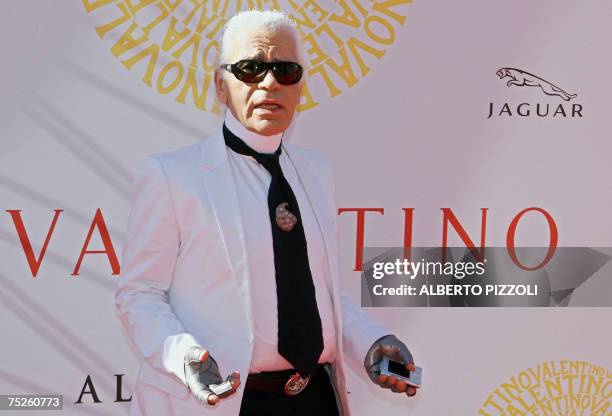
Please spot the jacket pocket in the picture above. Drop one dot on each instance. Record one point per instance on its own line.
(162, 381)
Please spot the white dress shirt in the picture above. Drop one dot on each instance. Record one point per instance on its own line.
(252, 183)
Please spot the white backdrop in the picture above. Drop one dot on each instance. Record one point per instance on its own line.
(412, 132)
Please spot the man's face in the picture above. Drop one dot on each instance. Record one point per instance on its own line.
(264, 107)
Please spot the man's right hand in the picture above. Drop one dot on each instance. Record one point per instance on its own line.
(201, 371)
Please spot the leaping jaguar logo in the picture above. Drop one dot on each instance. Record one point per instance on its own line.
(521, 78)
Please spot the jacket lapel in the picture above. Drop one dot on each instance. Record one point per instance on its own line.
(307, 176)
(221, 189)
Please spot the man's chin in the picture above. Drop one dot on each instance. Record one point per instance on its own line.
(270, 127)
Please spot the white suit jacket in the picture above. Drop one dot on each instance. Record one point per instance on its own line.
(185, 279)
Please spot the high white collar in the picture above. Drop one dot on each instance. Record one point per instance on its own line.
(257, 142)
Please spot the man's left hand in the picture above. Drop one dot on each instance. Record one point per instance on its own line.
(396, 350)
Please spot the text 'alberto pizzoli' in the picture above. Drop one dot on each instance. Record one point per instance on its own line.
(436, 269)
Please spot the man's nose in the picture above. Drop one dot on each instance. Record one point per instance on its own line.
(269, 81)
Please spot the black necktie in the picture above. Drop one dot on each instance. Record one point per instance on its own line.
(300, 335)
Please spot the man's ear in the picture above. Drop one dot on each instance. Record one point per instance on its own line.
(220, 87)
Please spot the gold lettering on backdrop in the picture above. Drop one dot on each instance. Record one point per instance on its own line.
(555, 388)
(174, 35)
(165, 82)
(173, 45)
(344, 70)
(90, 6)
(191, 85)
(163, 14)
(102, 30)
(152, 53)
(313, 49)
(127, 41)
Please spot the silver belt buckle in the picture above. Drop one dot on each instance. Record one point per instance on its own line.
(296, 384)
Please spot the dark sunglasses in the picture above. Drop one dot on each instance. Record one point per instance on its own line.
(252, 70)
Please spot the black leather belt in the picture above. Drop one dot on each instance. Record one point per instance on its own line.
(285, 381)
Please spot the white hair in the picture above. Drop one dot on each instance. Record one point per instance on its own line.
(246, 21)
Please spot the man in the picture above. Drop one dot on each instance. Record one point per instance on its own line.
(230, 261)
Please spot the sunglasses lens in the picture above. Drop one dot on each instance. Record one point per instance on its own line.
(287, 73)
(250, 71)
